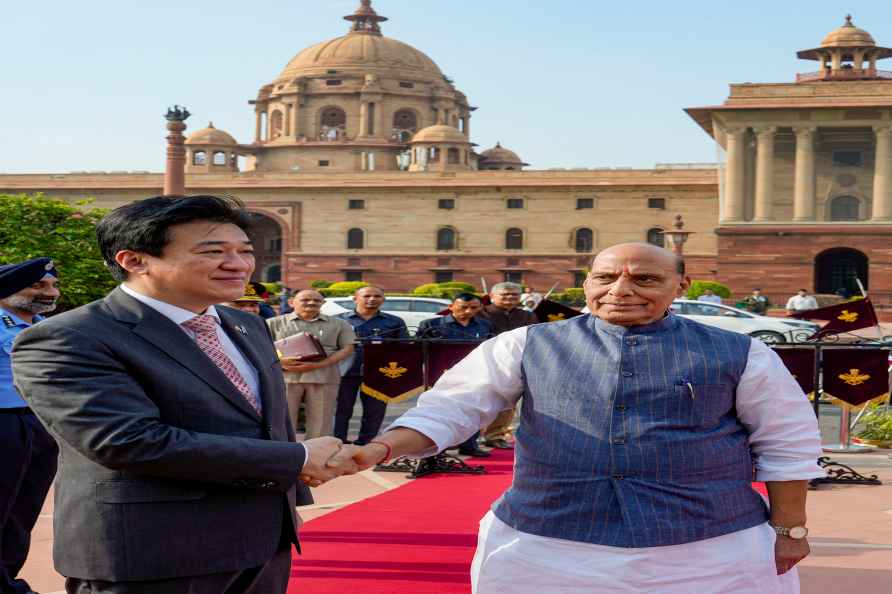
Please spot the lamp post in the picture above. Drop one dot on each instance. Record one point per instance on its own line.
(678, 236)
(175, 167)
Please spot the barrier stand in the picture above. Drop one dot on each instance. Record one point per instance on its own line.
(838, 473)
(441, 463)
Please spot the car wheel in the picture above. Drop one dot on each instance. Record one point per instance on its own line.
(769, 337)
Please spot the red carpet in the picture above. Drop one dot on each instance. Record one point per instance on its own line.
(416, 539)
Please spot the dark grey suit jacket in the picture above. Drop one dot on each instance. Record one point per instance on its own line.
(165, 470)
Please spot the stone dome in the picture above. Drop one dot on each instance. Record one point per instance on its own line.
(363, 48)
(211, 135)
(440, 133)
(499, 154)
(368, 52)
(848, 35)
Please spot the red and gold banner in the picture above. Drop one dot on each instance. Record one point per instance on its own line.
(443, 355)
(552, 311)
(801, 365)
(392, 371)
(843, 317)
(855, 376)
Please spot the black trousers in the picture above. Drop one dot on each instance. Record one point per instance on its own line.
(28, 458)
(269, 578)
(373, 411)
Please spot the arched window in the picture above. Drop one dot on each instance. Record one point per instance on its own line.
(355, 239)
(445, 238)
(452, 156)
(275, 124)
(845, 208)
(332, 123)
(405, 119)
(656, 237)
(199, 158)
(219, 158)
(583, 240)
(434, 155)
(514, 239)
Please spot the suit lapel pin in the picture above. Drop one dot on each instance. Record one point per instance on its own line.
(242, 330)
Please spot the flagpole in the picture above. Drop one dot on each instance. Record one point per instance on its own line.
(483, 284)
(875, 317)
(550, 291)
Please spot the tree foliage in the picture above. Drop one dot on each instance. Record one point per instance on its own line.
(34, 225)
(698, 287)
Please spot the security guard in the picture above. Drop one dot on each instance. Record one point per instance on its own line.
(249, 302)
(28, 459)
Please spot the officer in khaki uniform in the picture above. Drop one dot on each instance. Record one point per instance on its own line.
(315, 384)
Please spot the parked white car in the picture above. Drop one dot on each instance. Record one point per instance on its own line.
(765, 328)
(412, 310)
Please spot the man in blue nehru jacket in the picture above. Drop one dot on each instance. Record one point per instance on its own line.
(640, 434)
(27, 452)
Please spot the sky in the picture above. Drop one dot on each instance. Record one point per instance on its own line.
(564, 83)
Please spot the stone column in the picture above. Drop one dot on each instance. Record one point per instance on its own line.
(467, 125)
(363, 118)
(175, 167)
(735, 175)
(295, 118)
(882, 175)
(258, 125)
(804, 176)
(764, 172)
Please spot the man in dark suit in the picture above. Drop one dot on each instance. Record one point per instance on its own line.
(178, 466)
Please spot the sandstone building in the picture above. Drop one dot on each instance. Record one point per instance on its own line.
(362, 166)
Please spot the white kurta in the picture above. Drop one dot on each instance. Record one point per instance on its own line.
(784, 439)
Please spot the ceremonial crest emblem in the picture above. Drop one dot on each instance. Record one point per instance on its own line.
(556, 317)
(847, 316)
(393, 370)
(49, 265)
(854, 377)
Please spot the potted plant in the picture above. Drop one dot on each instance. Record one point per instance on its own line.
(876, 427)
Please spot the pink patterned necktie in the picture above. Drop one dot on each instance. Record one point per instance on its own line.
(205, 329)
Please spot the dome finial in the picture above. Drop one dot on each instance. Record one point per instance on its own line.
(365, 19)
(848, 21)
(210, 124)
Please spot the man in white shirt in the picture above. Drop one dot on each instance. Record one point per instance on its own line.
(709, 296)
(634, 476)
(801, 301)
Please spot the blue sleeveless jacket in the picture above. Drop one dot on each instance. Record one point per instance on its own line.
(629, 436)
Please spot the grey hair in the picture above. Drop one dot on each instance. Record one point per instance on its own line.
(499, 287)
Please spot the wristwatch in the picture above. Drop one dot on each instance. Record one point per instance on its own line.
(796, 532)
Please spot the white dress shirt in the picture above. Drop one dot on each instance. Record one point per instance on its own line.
(801, 303)
(178, 315)
(784, 440)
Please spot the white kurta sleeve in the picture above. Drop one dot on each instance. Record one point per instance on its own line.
(470, 394)
(784, 436)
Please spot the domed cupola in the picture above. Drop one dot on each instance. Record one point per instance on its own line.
(440, 148)
(210, 150)
(846, 53)
(500, 158)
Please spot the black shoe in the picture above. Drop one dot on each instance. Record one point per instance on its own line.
(501, 444)
(474, 453)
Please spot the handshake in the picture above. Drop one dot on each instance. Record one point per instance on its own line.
(329, 458)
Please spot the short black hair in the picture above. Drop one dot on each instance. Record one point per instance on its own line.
(465, 297)
(143, 226)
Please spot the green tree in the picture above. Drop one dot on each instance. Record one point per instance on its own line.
(698, 287)
(35, 225)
